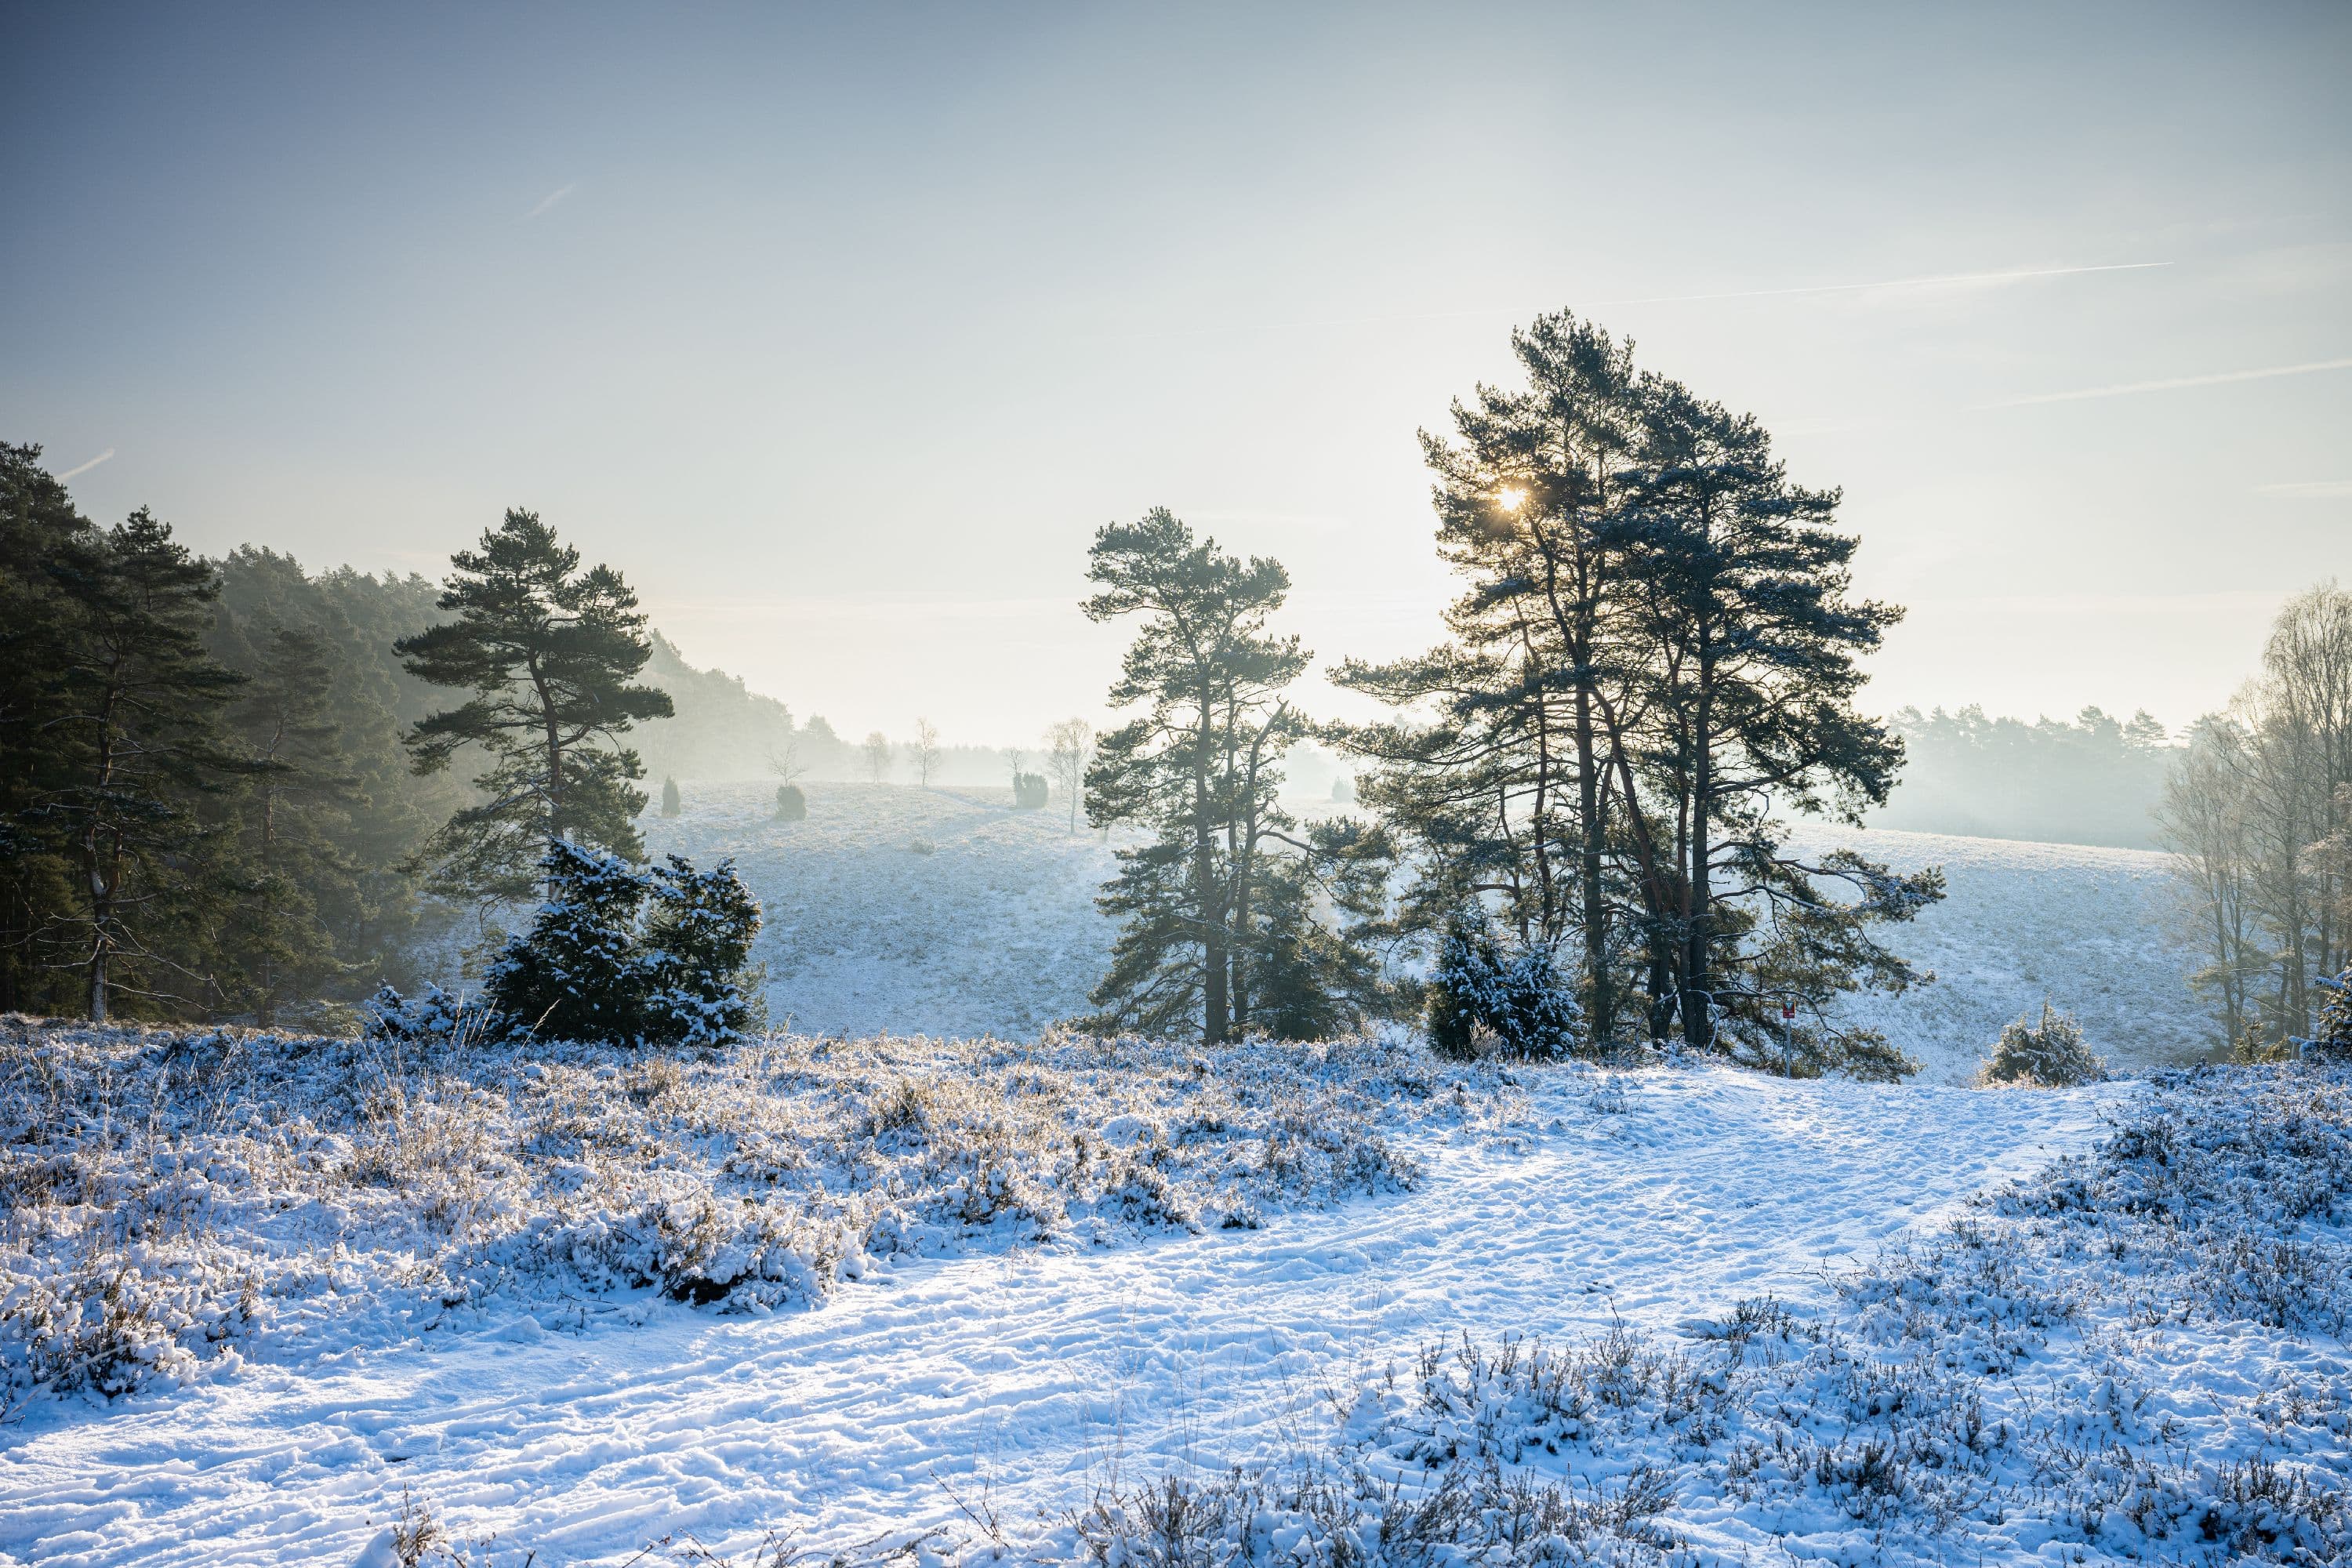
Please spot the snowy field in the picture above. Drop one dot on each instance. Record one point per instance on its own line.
(923, 1301)
(992, 929)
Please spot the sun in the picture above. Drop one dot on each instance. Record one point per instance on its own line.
(1510, 498)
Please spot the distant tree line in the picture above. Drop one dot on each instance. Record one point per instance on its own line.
(2258, 806)
(1654, 658)
(2097, 779)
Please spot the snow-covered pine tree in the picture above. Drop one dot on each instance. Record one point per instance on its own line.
(1524, 1000)
(696, 944)
(577, 973)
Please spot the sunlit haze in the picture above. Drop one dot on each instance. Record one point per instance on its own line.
(840, 330)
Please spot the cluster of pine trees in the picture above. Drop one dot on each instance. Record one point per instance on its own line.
(1655, 656)
(237, 790)
(2258, 805)
(205, 806)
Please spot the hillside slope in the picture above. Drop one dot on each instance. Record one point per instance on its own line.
(992, 929)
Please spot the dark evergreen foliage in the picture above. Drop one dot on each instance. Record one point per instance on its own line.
(1212, 907)
(791, 805)
(126, 771)
(548, 652)
(1029, 791)
(670, 804)
(1483, 1000)
(697, 942)
(1655, 656)
(622, 955)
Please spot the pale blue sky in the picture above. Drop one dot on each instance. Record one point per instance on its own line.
(839, 330)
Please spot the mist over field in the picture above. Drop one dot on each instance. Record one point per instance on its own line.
(1052, 787)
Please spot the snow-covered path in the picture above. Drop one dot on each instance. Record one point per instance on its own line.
(1025, 1375)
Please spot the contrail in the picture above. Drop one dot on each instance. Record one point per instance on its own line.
(549, 200)
(2173, 383)
(1893, 283)
(86, 467)
(2011, 277)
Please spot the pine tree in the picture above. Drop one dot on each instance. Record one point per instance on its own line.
(670, 806)
(548, 651)
(1750, 691)
(792, 803)
(38, 527)
(1508, 790)
(139, 728)
(295, 818)
(1655, 651)
(1200, 769)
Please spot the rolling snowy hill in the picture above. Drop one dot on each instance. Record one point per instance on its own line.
(943, 911)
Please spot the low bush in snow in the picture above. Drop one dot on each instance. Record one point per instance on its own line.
(173, 1198)
(2048, 1054)
(1484, 1002)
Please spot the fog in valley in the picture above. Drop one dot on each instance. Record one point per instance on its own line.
(1310, 786)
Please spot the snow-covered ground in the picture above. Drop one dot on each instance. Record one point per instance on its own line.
(2086, 928)
(584, 1428)
(993, 927)
(909, 911)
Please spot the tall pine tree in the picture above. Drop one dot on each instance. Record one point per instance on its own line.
(1214, 908)
(548, 652)
(140, 753)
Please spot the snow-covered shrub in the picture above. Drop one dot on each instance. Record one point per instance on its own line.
(578, 973)
(435, 1015)
(172, 1201)
(696, 944)
(2049, 1053)
(599, 966)
(1482, 1002)
(2134, 1356)
(792, 805)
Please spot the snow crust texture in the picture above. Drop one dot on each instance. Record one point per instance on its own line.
(527, 1291)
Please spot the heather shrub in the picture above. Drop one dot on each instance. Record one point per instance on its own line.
(2049, 1053)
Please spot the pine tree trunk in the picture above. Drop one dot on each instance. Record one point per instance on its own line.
(1698, 1009)
(1208, 906)
(1602, 1001)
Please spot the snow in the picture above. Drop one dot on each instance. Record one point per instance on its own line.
(2088, 930)
(893, 909)
(995, 930)
(859, 1289)
(588, 1427)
